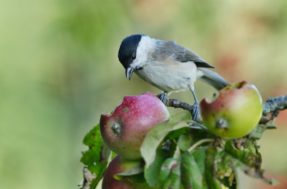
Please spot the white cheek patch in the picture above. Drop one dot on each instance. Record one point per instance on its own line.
(146, 45)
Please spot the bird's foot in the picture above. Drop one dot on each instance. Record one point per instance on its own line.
(163, 97)
(195, 112)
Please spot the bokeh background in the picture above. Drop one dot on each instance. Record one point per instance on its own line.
(59, 71)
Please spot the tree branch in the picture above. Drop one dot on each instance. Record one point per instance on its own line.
(271, 109)
(178, 104)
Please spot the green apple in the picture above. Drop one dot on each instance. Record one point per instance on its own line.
(235, 112)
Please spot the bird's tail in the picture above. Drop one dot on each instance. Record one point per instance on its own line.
(213, 78)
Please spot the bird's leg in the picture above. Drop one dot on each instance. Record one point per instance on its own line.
(163, 96)
(195, 107)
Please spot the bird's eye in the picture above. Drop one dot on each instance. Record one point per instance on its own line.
(133, 56)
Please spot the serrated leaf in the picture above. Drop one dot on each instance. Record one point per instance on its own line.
(155, 136)
(190, 172)
(93, 137)
(98, 151)
(96, 157)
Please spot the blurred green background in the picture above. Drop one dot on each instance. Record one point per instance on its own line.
(59, 71)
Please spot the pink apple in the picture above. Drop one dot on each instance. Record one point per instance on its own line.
(119, 165)
(125, 129)
(116, 166)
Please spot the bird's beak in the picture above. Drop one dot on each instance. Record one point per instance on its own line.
(129, 72)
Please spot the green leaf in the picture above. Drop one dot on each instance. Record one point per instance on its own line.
(155, 136)
(184, 142)
(199, 155)
(244, 151)
(166, 168)
(93, 137)
(154, 151)
(211, 180)
(225, 169)
(174, 179)
(248, 157)
(191, 174)
(152, 172)
(96, 157)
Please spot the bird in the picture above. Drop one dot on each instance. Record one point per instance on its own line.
(168, 66)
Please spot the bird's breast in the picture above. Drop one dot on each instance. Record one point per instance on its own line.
(169, 76)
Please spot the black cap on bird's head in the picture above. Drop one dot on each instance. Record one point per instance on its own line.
(127, 52)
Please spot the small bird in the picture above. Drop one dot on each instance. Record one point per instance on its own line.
(166, 65)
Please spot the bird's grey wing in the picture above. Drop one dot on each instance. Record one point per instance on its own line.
(167, 49)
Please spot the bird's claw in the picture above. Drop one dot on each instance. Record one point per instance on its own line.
(195, 112)
(163, 97)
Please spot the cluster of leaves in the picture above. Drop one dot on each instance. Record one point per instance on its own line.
(96, 158)
(183, 154)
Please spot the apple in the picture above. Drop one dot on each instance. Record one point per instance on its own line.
(235, 112)
(119, 165)
(124, 130)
